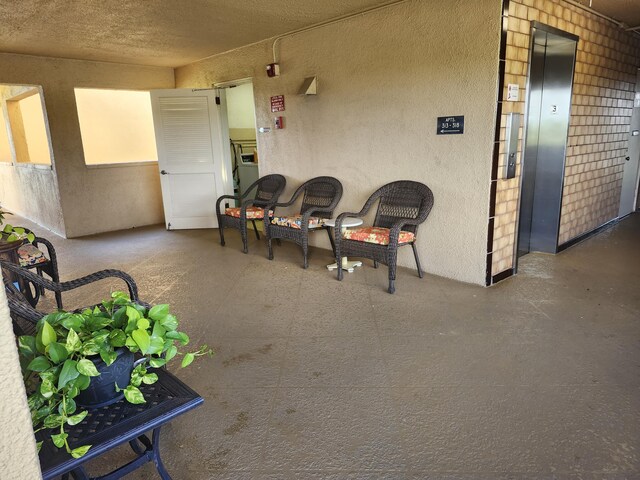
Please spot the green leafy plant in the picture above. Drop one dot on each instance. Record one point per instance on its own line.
(57, 364)
(10, 233)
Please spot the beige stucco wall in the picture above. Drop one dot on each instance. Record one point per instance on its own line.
(28, 190)
(18, 457)
(91, 199)
(383, 78)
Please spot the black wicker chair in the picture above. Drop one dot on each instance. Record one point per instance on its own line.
(44, 264)
(268, 190)
(24, 315)
(402, 207)
(320, 197)
(32, 256)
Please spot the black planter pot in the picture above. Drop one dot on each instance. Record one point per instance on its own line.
(102, 389)
(9, 253)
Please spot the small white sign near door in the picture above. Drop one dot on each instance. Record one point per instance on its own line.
(193, 155)
(513, 92)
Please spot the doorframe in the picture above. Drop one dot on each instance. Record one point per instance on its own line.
(536, 25)
(232, 83)
(636, 190)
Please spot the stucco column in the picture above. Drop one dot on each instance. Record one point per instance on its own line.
(18, 456)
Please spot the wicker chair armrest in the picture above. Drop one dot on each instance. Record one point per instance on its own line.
(70, 285)
(248, 202)
(22, 308)
(243, 208)
(219, 201)
(50, 249)
(271, 206)
(394, 231)
(291, 201)
(342, 216)
(310, 213)
(365, 209)
(398, 224)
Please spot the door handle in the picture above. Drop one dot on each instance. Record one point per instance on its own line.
(164, 172)
(627, 158)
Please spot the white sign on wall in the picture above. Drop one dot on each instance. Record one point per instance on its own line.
(513, 92)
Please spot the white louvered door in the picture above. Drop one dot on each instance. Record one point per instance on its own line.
(193, 155)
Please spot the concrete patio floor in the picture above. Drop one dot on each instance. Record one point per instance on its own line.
(535, 378)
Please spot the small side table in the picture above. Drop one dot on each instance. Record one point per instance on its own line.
(347, 222)
(107, 427)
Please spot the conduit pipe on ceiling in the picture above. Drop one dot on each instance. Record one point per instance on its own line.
(380, 7)
(386, 5)
(304, 29)
(602, 15)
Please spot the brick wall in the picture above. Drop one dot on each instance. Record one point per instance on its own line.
(603, 90)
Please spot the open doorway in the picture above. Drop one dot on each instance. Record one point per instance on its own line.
(241, 118)
(552, 62)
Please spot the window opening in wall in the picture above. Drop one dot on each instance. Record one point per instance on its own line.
(6, 155)
(116, 126)
(24, 132)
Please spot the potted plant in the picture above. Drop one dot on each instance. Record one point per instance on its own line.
(11, 238)
(11, 234)
(83, 360)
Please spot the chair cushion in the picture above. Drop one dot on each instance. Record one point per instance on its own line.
(253, 213)
(378, 235)
(295, 221)
(30, 255)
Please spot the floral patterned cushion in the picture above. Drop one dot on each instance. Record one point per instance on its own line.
(30, 255)
(295, 221)
(377, 235)
(253, 213)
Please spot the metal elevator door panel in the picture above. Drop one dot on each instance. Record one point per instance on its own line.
(549, 104)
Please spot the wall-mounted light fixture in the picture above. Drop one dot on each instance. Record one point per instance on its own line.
(309, 86)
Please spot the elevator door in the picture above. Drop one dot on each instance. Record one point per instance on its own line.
(549, 104)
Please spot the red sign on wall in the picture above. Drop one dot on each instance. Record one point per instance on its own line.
(277, 103)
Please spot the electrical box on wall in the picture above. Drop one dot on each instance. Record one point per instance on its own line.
(273, 70)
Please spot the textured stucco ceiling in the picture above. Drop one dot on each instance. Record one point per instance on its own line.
(178, 32)
(156, 32)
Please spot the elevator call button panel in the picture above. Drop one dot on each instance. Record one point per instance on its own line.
(511, 146)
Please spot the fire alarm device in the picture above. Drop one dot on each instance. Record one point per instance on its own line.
(273, 70)
(279, 123)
